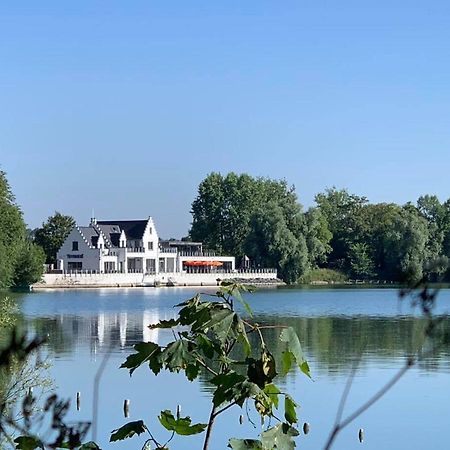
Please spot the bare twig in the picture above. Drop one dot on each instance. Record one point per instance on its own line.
(97, 380)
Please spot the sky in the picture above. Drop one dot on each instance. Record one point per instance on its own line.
(123, 107)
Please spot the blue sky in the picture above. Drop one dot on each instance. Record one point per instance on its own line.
(124, 107)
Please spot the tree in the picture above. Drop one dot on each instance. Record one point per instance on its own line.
(405, 247)
(340, 210)
(318, 237)
(14, 245)
(272, 244)
(361, 262)
(28, 265)
(53, 233)
(228, 208)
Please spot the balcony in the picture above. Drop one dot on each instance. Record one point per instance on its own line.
(135, 249)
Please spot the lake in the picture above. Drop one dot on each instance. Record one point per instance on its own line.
(336, 326)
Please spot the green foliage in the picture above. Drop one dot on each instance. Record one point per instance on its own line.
(260, 217)
(180, 425)
(128, 430)
(361, 263)
(28, 443)
(53, 233)
(29, 264)
(340, 210)
(293, 352)
(318, 276)
(21, 262)
(271, 243)
(318, 237)
(212, 339)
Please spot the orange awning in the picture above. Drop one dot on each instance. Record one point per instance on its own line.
(203, 263)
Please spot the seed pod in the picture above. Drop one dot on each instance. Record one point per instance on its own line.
(361, 435)
(78, 401)
(241, 419)
(126, 408)
(178, 411)
(306, 428)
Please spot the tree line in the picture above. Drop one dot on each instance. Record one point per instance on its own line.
(23, 252)
(263, 219)
(342, 236)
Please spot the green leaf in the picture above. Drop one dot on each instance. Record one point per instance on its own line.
(287, 358)
(146, 352)
(178, 356)
(164, 324)
(234, 289)
(242, 337)
(181, 425)
(192, 371)
(289, 336)
(221, 322)
(28, 443)
(205, 345)
(261, 371)
(279, 437)
(225, 387)
(290, 413)
(245, 444)
(128, 430)
(90, 446)
(272, 392)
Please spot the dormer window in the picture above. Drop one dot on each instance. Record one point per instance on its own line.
(75, 246)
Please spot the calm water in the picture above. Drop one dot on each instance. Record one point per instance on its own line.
(335, 326)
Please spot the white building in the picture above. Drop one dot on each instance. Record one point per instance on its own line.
(133, 246)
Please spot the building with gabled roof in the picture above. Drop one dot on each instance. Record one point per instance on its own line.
(133, 246)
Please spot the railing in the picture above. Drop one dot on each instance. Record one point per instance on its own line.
(202, 253)
(192, 270)
(168, 250)
(135, 249)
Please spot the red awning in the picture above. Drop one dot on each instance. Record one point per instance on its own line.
(203, 263)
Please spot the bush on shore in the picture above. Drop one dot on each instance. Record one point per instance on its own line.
(323, 276)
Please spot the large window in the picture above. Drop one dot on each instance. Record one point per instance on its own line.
(74, 265)
(75, 246)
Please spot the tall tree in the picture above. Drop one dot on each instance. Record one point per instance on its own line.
(14, 245)
(340, 209)
(228, 208)
(53, 233)
(405, 247)
(318, 237)
(271, 243)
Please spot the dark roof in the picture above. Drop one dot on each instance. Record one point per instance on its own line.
(90, 234)
(134, 229)
(115, 239)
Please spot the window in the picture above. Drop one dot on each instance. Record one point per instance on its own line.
(74, 265)
(150, 230)
(150, 245)
(75, 246)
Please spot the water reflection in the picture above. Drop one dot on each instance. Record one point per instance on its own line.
(335, 327)
(333, 342)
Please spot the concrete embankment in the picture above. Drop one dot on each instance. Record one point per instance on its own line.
(92, 280)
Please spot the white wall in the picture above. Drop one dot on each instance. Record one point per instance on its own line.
(138, 279)
(91, 256)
